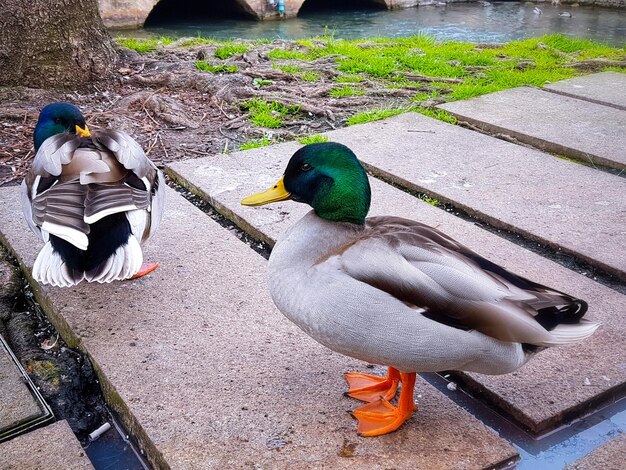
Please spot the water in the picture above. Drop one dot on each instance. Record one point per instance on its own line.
(470, 22)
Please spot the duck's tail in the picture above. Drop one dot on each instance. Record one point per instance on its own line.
(569, 333)
(50, 268)
(122, 264)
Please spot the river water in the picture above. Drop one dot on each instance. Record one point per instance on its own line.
(470, 22)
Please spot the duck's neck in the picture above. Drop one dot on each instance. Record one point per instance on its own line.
(313, 238)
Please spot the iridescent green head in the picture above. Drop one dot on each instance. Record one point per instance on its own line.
(328, 177)
(57, 118)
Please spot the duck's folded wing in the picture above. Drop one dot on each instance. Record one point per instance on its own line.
(453, 285)
(130, 154)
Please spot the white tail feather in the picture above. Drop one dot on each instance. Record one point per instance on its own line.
(125, 262)
(571, 333)
(49, 268)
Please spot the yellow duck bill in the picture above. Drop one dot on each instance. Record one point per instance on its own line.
(274, 194)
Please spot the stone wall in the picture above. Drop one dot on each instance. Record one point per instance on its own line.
(133, 13)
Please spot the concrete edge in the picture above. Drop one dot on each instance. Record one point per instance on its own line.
(109, 392)
(536, 142)
(541, 428)
(584, 98)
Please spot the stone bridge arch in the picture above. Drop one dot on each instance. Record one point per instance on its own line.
(133, 13)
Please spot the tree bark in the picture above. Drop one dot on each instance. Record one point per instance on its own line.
(53, 43)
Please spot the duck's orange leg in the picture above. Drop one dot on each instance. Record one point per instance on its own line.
(146, 268)
(381, 417)
(370, 388)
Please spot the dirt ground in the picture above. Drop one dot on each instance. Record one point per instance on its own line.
(176, 111)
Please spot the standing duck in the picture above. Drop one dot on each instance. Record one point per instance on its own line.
(92, 198)
(392, 291)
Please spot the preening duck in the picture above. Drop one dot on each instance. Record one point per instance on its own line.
(92, 198)
(399, 293)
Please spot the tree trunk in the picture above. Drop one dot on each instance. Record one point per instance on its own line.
(53, 43)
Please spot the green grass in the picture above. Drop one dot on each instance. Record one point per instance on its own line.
(229, 49)
(255, 143)
(287, 68)
(309, 76)
(206, 67)
(313, 139)
(268, 114)
(432, 201)
(345, 91)
(440, 114)
(375, 115)
(143, 45)
(286, 54)
(348, 79)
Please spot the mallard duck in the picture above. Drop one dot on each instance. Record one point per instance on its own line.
(395, 292)
(92, 198)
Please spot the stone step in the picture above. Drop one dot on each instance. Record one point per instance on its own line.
(551, 388)
(611, 456)
(507, 185)
(206, 373)
(53, 447)
(606, 88)
(20, 407)
(567, 126)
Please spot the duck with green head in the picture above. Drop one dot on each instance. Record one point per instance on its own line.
(399, 293)
(92, 198)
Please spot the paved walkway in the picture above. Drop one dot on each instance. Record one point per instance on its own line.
(567, 126)
(206, 373)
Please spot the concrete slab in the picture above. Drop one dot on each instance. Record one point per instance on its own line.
(607, 88)
(206, 373)
(548, 390)
(510, 186)
(567, 126)
(611, 456)
(18, 407)
(53, 447)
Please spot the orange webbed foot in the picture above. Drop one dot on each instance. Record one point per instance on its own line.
(370, 388)
(146, 268)
(381, 417)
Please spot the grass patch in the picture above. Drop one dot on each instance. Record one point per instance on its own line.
(375, 115)
(313, 139)
(206, 67)
(309, 76)
(286, 54)
(345, 91)
(229, 49)
(430, 200)
(268, 114)
(287, 68)
(255, 143)
(143, 45)
(440, 114)
(348, 79)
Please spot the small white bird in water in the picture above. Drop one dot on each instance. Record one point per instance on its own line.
(556, 2)
(537, 11)
(565, 14)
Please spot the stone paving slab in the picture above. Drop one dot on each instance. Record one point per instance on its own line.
(607, 88)
(544, 392)
(53, 447)
(208, 374)
(611, 456)
(510, 186)
(567, 126)
(18, 407)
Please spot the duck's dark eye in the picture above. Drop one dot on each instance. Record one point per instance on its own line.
(306, 167)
